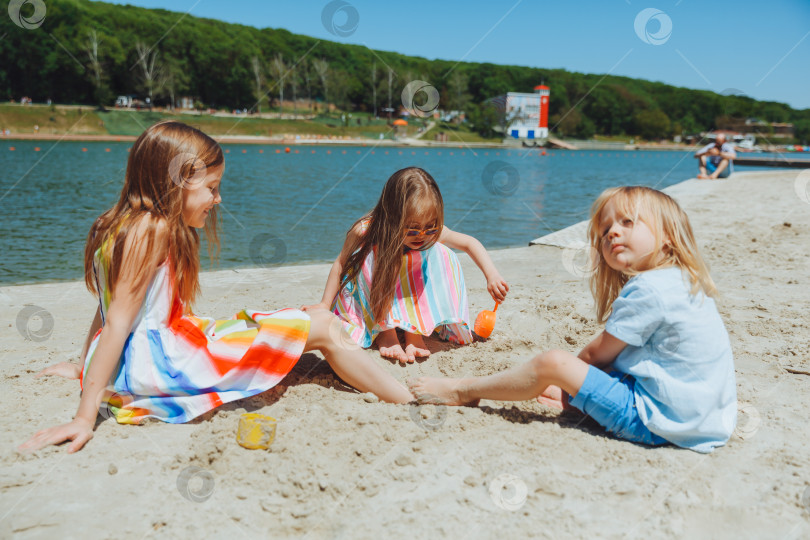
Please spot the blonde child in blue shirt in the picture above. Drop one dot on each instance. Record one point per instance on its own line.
(662, 370)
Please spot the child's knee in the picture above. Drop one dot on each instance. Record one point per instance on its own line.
(550, 363)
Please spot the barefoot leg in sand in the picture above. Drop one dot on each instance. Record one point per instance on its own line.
(519, 383)
(350, 362)
(415, 347)
(388, 342)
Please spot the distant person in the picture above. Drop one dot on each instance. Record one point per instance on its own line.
(146, 354)
(662, 370)
(716, 159)
(397, 269)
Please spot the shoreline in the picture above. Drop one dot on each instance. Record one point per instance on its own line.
(592, 145)
(517, 469)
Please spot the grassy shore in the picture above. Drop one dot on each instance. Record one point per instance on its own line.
(82, 120)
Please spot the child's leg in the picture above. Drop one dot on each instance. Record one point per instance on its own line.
(415, 347)
(519, 383)
(389, 346)
(350, 362)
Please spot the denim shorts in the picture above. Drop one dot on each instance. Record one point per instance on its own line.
(609, 399)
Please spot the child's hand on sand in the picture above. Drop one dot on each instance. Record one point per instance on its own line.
(63, 369)
(497, 287)
(79, 431)
(319, 305)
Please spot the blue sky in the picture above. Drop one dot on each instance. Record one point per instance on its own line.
(746, 47)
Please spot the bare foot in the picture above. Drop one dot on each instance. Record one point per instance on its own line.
(388, 342)
(551, 397)
(439, 391)
(63, 369)
(703, 176)
(415, 347)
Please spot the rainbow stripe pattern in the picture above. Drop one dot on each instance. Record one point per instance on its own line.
(176, 366)
(429, 295)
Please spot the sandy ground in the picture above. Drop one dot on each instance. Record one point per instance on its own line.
(345, 466)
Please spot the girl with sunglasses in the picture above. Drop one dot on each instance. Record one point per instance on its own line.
(397, 270)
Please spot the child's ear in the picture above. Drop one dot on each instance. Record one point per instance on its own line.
(667, 245)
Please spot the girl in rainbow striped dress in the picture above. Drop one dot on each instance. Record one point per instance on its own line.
(397, 270)
(146, 354)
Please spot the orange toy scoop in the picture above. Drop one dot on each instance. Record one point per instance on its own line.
(485, 322)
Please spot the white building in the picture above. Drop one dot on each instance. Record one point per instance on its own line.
(527, 114)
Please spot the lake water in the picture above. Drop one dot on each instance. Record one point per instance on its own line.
(293, 208)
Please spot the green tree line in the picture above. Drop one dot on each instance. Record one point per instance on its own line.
(89, 52)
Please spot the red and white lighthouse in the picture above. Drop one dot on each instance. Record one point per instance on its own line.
(527, 114)
(544, 92)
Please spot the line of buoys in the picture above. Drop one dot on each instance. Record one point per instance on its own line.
(287, 150)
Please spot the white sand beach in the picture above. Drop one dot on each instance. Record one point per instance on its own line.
(345, 466)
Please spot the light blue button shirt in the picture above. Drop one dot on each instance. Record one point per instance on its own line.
(678, 351)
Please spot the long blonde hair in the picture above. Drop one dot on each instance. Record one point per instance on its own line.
(163, 161)
(675, 242)
(409, 192)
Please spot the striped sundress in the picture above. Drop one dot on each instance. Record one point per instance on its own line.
(176, 366)
(430, 295)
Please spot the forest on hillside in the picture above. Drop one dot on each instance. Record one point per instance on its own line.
(90, 52)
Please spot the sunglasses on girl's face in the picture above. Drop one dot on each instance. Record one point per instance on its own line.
(420, 232)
